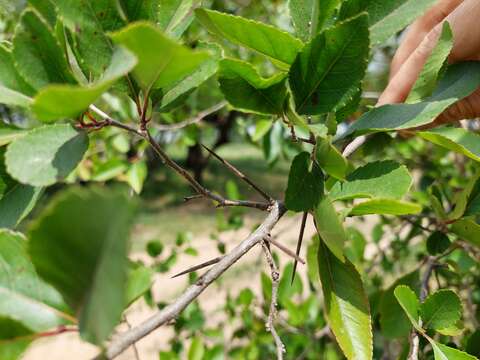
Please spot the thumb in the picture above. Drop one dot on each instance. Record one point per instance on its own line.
(401, 84)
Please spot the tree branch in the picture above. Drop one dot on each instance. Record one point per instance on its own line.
(272, 314)
(170, 312)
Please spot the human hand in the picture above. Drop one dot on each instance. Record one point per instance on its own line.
(407, 64)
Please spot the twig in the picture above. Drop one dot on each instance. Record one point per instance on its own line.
(270, 324)
(170, 312)
(283, 248)
(222, 202)
(202, 115)
(238, 173)
(134, 346)
(354, 145)
(299, 243)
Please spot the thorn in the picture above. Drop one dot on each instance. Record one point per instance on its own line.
(299, 244)
(198, 267)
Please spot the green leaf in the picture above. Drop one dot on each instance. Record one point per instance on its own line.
(346, 305)
(409, 302)
(305, 184)
(46, 9)
(379, 179)
(394, 323)
(139, 281)
(427, 80)
(136, 175)
(86, 259)
(174, 16)
(312, 261)
(330, 66)
(389, 17)
(14, 339)
(330, 227)
(277, 45)
(330, 159)
(57, 102)
(441, 310)
(38, 56)
(13, 98)
(327, 12)
(467, 230)
(193, 80)
(456, 139)
(443, 352)
(88, 21)
(17, 200)
(460, 80)
(385, 207)
(9, 134)
(304, 14)
(23, 296)
(247, 91)
(461, 199)
(46, 155)
(437, 243)
(9, 75)
(196, 350)
(161, 62)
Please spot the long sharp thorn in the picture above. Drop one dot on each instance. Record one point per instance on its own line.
(198, 267)
(238, 173)
(299, 244)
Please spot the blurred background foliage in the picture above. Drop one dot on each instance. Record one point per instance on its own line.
(388, 249)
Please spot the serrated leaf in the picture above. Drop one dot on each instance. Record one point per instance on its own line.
(24, 297)
(346, 305)
(410, 303)
(14, 338)
(161, 62)
(46, 9)
(193, 80)
(379, 179)
(456, 139)
(467, 230)
(174, 16)
(9, 133)
(305, 184)
(56, 102)
(460, 80)
(247, 91)
(277, 45)
(443, 352)
(38, 56)
(9, 75)
(330, 66)
(88, 22)
(304, 14)
(427, 80)
(389, 17)
(385, 207)
(330, 227)
(17, 200)
(394, 323)
(440, 310)
(330, 159)
(13, 98)
(86, 260)
(46, 155)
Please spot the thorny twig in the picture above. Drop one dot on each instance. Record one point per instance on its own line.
(299, 242)
(270, 324)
